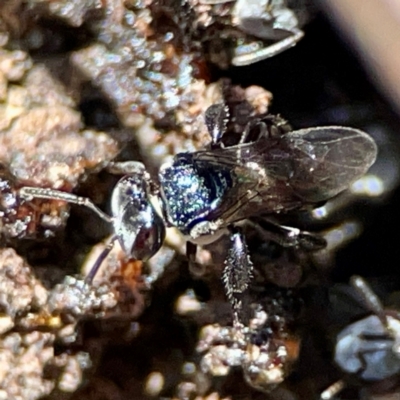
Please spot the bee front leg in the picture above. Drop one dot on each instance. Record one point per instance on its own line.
(103, 255)
(238, 270)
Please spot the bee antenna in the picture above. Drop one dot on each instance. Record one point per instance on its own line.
(370, 299)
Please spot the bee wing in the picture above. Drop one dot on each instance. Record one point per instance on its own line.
(327, 160)
(281, 173)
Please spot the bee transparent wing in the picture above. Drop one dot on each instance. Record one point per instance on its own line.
(327, 160)
(299, 168)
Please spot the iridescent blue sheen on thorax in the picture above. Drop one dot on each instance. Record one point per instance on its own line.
(192, 190)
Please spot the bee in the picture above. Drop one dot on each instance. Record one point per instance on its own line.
(270, 20)
(368, 349)
(251, 30)
(266, 171)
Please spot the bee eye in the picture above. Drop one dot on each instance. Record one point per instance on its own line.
(138, 227)
(148, 241)
(140, 232)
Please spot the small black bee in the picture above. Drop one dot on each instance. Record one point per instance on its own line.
(270, 20)
(250, 30)
(369, 348)
(205, 194)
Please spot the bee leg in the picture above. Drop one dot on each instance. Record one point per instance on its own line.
(330, 392)
(28, 193)
(287, 236)
(238, 270)
(216, 119)
(263, 131)
(241, 59)
(191, 249)
(125, 167)
(194, 268)
(370, 299)
(103, 255)
(306, 240)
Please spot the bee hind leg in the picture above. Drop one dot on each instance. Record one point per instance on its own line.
(238, 271)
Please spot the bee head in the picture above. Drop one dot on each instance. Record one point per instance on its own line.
(138, 227)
